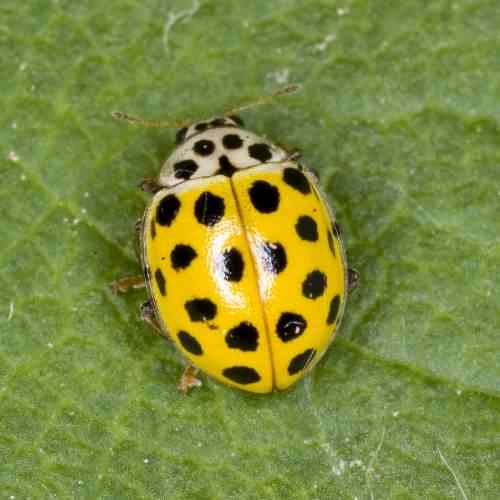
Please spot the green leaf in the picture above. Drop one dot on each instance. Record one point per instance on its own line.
(399, 112)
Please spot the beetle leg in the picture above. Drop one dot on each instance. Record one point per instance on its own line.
(352, 279)
(150, 185)
(294, 154)
(123, 285)
(148, 315)
(314, 172)
(188, 379)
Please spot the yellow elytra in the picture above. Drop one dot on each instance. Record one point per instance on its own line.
(246, 274)
(242, 258)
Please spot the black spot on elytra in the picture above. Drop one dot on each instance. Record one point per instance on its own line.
(160, 281)
(167, 210)
(204, 147)
(226, 167)
(314, 285)
(232, 141)
(264, 196)
(260, 151)
(273, 257)
(334, 310)
(153, 229)
(200, 309)
(306, 228)
(180, 135)
(243, 337)
(190, 343)
(297, 180)
(241, 374)
(209, 208)
(182, 256)
(301, 361)
(233, 265)
(185, 169)
(290, 326)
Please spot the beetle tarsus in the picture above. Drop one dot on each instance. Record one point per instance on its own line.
(352, 279)
(189, 379)
(123, 285)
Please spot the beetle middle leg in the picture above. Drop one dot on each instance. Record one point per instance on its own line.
(123, 285)
(352, 279)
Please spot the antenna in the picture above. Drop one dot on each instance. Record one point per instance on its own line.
(289, 89)
(137, 120)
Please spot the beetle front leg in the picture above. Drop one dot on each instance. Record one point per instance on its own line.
(150, 185)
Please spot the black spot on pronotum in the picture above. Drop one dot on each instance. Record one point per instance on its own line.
(290, 326)
(233, 264)
(160, 281)
(232, 141)
(180, 135)
(226, 167)
(314, 285)
(182, 256)
(301, 361)
(185, 169)
(306, 228)
(209, 208)
(334, 310)
(264, 196)
(297, 180)
(200, 309)
(260, 151)
(167, 210)
(204, 147)
(273, 257)
(243, 337)
(241, 374)
(190, 343)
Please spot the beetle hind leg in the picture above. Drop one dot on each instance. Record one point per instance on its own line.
(148, 316)
(188, 379)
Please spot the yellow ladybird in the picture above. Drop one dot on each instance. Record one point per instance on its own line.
(242, 258)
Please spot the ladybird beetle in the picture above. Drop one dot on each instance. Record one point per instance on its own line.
(242, 257)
